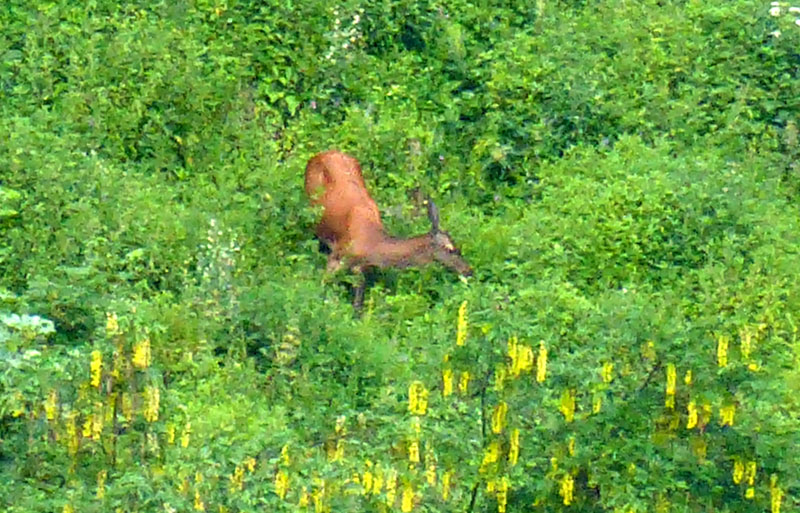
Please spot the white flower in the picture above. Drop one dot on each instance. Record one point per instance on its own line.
(775, 11)
(356, 19)
(776, 33)
(794, 10)
(797, 22)
(775, 4)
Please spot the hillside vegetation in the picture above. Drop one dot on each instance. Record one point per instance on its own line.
(623, 176)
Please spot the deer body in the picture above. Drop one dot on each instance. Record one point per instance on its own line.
(351, 222)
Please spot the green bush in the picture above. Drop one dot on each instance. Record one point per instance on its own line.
(621, 176)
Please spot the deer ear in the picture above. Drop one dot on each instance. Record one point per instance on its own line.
(433, 215)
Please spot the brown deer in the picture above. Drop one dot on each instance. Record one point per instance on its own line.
(351, 224)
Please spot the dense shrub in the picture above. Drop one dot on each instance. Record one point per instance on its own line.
(622, 176)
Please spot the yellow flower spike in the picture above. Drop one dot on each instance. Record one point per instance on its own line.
(96, 368)
(567, 405)
(407, 503)
(722, 351)
(597, 403)
(72, 433)
(775, 494)
(341, 427)
(417, 398)
(199, 505)
(185, 435)
(97, 421)
(391, 486)
(669, 402)
(499, 377)
(525, 355)
(250, 463)
(413, 451)
(366, 478)
(101, 484)
(152, 398)
(447, 382)
(726, 415)
(746, 338)
(281, 484)
(566, 489)
(607, 372)
(490, 455)
(50, 405)
(691, 421)
(499, 418)
(687, 378)
(237, 479)
(463, 383)
(304, 498)
(513, 451)
(430, 474)
(541, 363)
(513, 355)
(112, 325)
(738, 471)
(68, 509)
(446, 485)
(461, 327)
(377, 481)
(284, 455)
(501, 491)
(750, 472)
(750, 493)
(141, 354)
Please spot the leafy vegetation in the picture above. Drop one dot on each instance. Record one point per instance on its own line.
(622, 176)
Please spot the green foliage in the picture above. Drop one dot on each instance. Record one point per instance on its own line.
(622, 176)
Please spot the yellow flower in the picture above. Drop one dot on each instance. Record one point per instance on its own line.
(722, 351)
(413, 451)
(513, 451)
(541, 363)
(152, 397)
(417, 398)
(101, 484)
(50, 405)
(446, 485)
(303, 502)
(391, 486)
(751, 472)
(687, 378)
(281, 484)
(567, 405)
(463, 383)
(366, 479)
(68, 509)
(96, 368)
(571, 446)
(199, 505)
(341, 425)
(490, 455)
(447, 382)
(566, 489)
(250, 463)
(237, 479)
(501, 492)
(775, 493)
(284, 455)
(430, 473)
(377, 481)
(97, 421)
(112, 326)
(738, 471)
(525, 357)
(691, 422)
(499, 417)
(407, 503)
(499, 377)
(670, 391)
(461, 327)
(607, 372)
(597, 403)
(746, 337)
(187, 431)
(141, 354)
(726, 414)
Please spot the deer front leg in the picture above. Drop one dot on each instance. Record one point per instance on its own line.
(358, 289)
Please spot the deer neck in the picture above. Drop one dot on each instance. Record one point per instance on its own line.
(393, 252)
